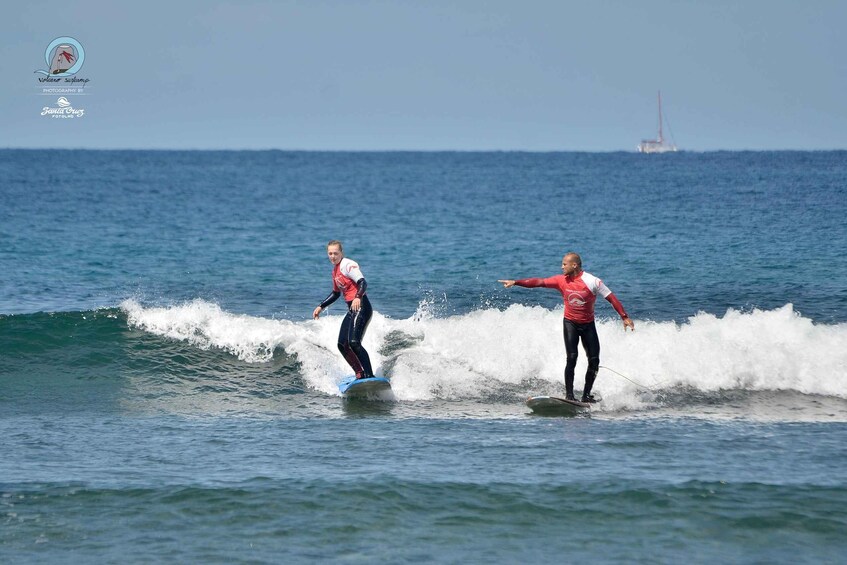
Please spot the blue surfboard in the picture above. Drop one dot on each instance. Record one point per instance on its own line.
(353, 387)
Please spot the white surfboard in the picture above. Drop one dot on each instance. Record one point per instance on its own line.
(556, 405)
(351, 387)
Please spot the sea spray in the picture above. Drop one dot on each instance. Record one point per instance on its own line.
(204, 325)
(255, 339)
(467, 356)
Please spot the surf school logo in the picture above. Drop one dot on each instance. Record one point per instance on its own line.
(575, 300)
(63, 109)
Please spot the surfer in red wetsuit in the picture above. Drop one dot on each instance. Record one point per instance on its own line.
(579, 292)
(348, 279)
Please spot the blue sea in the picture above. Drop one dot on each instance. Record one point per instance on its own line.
(165, 395)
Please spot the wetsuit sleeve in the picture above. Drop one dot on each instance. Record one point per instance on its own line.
(549, 282)
(351, 270)
(361, 287)
(333, 296)
(616, 304)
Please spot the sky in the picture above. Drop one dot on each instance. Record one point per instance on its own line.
(535, 75)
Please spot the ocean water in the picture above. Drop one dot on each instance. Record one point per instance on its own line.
(166, 396)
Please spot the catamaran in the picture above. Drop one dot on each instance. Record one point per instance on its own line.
(658, 145)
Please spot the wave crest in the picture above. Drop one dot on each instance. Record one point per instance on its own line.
(520, 350)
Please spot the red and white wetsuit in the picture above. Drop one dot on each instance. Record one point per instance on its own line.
(579, 293)
(348, 280)
(345, 278)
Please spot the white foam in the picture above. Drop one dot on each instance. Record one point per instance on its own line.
(471, 355)
(253, 339)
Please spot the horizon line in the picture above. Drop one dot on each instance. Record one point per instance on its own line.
(336, 150)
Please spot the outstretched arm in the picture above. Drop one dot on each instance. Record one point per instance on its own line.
(326, 302)
(528, 283)
(616, 304)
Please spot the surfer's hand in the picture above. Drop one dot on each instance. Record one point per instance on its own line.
(627, 323)
(508, 283)
(317, 312)
(356, 305)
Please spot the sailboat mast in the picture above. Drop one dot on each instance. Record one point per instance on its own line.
(657, 145)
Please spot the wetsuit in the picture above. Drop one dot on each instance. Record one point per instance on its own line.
(347, 279)
(579, 293)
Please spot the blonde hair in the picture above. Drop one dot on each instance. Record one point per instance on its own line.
(335, 242)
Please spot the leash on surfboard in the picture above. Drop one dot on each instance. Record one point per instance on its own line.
(627, 378)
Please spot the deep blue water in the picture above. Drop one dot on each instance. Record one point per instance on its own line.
(674, 234)
(165, 395)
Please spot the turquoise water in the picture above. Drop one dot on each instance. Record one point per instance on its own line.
(165, 395)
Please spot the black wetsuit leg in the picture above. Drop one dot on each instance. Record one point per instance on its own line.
(591, 342)
(350, 338)
(571, 335)
(344, 345)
